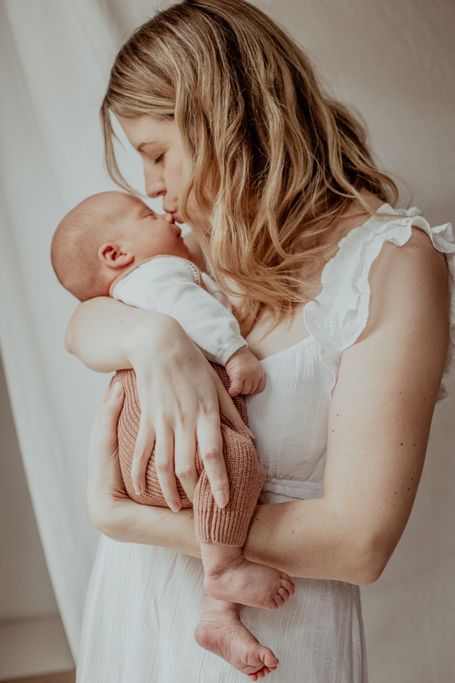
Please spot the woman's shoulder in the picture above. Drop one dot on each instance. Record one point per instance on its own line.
(372, 248)
(394, 261)
(363, 247)
(408, 272)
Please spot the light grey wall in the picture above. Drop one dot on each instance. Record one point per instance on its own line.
(26, 590)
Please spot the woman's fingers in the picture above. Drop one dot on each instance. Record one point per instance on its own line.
(164, 463)
(104, 476)
(103, 435)
(184, 460)
(104, 429)
(180, 399)
(142, 451)
(211, 452)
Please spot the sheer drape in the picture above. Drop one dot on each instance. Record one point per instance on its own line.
(55, 59)
(394, 63)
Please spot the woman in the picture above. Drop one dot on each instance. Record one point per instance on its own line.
(297, 224)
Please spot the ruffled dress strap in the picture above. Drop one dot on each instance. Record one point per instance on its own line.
(339, 314)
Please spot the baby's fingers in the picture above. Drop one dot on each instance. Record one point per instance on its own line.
(228, 409)
(258, 386)
(236, 387)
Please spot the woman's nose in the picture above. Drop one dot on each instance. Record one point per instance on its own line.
(154, 184)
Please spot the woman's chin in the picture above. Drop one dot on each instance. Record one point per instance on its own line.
(185, 250)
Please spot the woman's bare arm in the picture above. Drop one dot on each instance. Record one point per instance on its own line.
(378, 429)
(304, 538)
(100, 331)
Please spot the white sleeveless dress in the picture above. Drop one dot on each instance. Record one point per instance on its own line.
(143, 602)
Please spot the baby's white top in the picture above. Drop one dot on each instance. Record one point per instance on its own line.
(144, 601)
(174, 285)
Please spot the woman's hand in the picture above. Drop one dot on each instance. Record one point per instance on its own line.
(181, 397)
(105, 484)
(111, 510)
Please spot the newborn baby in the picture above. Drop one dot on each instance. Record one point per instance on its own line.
(113, 244)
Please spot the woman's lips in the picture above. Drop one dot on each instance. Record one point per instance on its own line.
(177, 218)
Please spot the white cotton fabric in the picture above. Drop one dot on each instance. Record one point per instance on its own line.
(143, 601)
(341, 310)
(174, 285)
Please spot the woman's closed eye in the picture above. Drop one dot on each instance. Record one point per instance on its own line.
(151, 156)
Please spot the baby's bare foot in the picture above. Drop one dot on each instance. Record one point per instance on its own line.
(220, 631)
(249, 584)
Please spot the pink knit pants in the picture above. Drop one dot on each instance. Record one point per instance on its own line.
(228, 526)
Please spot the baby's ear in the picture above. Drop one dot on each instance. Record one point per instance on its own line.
(114, 256)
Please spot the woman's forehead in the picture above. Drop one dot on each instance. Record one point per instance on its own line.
(146, 129)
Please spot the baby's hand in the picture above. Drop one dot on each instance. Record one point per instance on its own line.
(245, 372)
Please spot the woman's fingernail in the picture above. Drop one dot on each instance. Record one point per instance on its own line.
(220, 498)
(175, 506)
(116, 390)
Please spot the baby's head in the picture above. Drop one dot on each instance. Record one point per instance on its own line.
(105, 235)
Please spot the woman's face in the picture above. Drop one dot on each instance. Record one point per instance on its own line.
(159, 143)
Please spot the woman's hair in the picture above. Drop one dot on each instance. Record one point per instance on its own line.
(273, 158)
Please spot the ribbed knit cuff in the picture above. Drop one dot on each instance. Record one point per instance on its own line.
(229, 526)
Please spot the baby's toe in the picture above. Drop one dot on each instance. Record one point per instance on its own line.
(284, 593)
(278, 600)
(269, 658)
(286, 582)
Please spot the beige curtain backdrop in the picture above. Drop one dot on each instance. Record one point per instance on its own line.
(393, 60)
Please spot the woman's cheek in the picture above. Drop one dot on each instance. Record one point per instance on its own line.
(199, 217)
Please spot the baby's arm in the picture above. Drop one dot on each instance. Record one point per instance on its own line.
(173, 285)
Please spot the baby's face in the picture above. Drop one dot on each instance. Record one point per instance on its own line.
(144, 233)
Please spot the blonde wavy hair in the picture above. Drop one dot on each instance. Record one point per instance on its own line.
(284, 159)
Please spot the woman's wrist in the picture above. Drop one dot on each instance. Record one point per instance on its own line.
(129, 522)
(155, 333)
